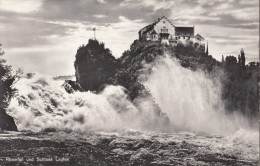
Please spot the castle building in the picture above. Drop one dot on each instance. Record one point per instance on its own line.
(167, 33)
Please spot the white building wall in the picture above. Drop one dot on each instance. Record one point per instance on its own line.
(164, 23)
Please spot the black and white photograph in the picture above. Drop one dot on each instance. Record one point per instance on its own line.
(129, 83)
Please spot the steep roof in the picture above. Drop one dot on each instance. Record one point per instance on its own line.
(151, 26)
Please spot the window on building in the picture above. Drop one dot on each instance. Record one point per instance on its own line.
(164, 29)
(164, 37)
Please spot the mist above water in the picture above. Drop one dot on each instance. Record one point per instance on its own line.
(190, 99)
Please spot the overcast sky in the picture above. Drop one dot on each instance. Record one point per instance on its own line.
(43, 35)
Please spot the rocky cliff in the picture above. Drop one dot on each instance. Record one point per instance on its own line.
(95, 66)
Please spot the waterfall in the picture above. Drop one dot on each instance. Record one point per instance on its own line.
(190, 99)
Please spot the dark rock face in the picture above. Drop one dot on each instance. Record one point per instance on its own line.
(94, 65)
(7, 122)
(6, 93)
(71, 86)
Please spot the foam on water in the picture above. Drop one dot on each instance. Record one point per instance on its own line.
(42, 103)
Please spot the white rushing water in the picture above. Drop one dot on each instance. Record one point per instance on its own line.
(43, 103)
(190, 99)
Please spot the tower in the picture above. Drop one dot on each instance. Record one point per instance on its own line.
(242, 56)
(207, 48)
(94, 30)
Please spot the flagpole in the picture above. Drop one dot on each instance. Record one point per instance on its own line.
(94, 29)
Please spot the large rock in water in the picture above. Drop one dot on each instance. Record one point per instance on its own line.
(71, 86)
(94, 65)
(7, 122)
(6, 93)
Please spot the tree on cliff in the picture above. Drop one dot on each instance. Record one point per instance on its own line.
(240, 91)
(6, 93)
(6, 80)
(243, 58)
